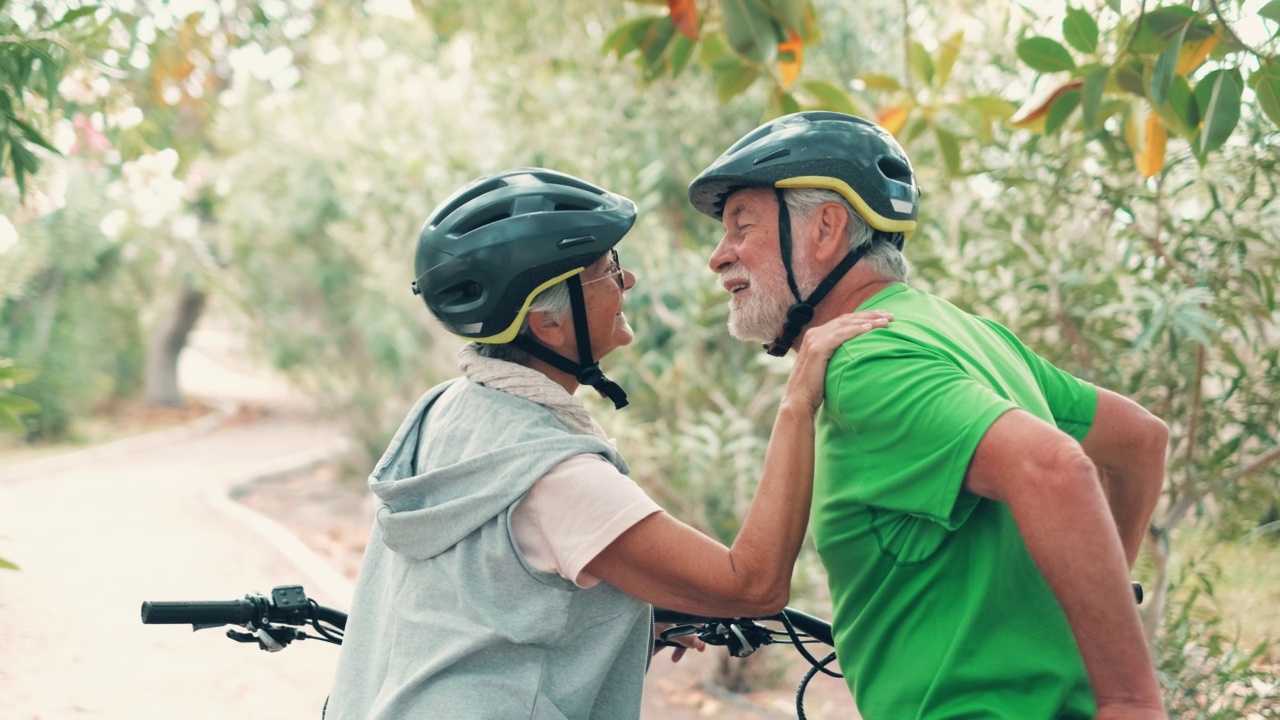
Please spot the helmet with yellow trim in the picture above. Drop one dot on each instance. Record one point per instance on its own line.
(491, 247)
(818, 149)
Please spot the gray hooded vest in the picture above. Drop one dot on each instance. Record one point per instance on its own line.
(448, 620)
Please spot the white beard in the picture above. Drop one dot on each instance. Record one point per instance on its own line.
(761, 315)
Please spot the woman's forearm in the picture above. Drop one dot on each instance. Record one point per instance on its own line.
(764, 553)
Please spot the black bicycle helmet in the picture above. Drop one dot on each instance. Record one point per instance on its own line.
(490, 248)
(818, 149)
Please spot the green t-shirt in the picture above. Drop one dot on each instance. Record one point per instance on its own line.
(938, 609)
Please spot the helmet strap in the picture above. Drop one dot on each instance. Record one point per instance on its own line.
(801, 312)
(586, 371)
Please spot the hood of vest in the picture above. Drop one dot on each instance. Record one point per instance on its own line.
(481, 451)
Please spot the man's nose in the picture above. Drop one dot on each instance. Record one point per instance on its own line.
(721, 257)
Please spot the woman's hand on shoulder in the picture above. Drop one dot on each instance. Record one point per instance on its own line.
(808, 377)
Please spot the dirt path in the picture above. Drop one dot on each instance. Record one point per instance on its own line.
(96, 539)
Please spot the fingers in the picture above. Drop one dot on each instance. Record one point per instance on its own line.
(825, 338)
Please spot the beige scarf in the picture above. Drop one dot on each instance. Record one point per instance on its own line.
(527, 383)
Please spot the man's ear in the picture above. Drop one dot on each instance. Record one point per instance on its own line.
(830, 223)
(548, 330)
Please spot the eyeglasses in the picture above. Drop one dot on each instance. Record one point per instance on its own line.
(614, 271)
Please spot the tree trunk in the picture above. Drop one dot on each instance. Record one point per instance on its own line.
(167, 343)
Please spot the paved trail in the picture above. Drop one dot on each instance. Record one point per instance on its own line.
(97, 538)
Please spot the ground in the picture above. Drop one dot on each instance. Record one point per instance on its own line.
(332, 515)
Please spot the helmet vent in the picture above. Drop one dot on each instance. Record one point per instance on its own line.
(572, 206)
(467, 291)
(779, 153)
(479, 221)
(894, 169)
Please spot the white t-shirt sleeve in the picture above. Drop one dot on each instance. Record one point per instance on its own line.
(573, 512)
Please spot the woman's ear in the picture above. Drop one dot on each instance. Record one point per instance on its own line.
(830, 224)
(548, 329)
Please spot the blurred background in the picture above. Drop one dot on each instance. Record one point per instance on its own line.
(225, 186)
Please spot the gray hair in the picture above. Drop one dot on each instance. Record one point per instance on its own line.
(554, 301)
(883, 258)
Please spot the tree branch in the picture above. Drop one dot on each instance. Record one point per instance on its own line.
(1217, 10)
(1142, 13)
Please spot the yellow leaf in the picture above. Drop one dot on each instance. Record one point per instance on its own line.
(684, 15)
(1037, 106)
(790, 58)
(1194, 53)
(892, 118)
(1155, 138)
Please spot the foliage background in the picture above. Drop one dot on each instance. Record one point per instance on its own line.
(1100, 177)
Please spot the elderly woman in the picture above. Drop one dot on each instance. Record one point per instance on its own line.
(513, 562)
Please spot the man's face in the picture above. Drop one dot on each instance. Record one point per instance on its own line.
(749, 263)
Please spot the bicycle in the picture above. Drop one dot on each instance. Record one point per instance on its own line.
(273, 623)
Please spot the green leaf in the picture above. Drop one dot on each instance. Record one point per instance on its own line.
(627, 37)
(1165, 66)
(949, 146)
(32, 136)
(1061, 110)
(780, 103)
(73, 15)
(655, 42)
(1179, 112)
(5, 564)
(1271, 11)
(1266, 84)
(1091, 96)
(681, 50)
(992, 106)
(1129, 78)
(921, 63)
(1080, 30)
(18, 405)
(1043, 54)
(1218, 94)
(948, 51)
(751, 31)
(789, 14)
(1161, 24)
(829, 97)
(714, 52)
(878, 81)
(24, 163)
(733, 81)
(11, 422)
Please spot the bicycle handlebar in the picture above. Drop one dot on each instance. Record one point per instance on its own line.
(211, 612)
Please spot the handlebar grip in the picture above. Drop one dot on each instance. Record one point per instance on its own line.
(212, 612)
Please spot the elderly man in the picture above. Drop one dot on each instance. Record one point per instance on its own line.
(976, 508)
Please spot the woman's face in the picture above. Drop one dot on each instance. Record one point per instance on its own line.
(603, 284)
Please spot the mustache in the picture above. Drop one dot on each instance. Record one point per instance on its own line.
(735, 274)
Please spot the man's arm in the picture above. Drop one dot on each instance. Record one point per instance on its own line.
(1127, 444)
(1052, 491)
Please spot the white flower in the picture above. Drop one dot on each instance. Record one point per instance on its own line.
(185, 226)
(113, 223)
(8, 236)
(64, 136)
(82, 88)
(398, 9)
(128, 118)
(152, 188)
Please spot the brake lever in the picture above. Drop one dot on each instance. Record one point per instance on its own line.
(678, 631)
